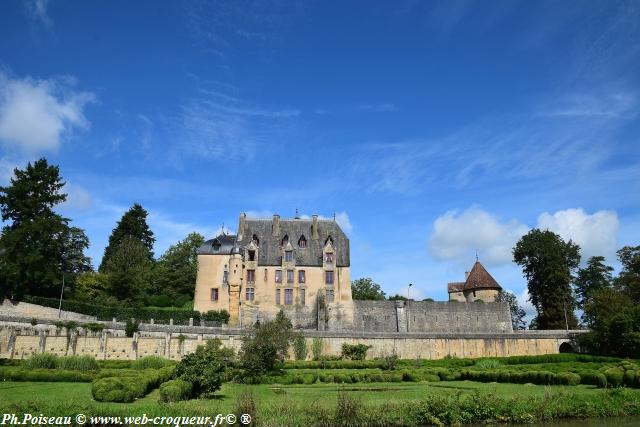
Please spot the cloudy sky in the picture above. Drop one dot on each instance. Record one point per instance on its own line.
(432, 130)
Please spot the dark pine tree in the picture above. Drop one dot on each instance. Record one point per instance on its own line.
(547, 262)
(37, 244)
(132, 224)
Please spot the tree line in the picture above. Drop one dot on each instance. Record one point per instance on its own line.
(39, 249)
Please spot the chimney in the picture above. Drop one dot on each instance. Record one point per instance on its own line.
(466, 275)
(314, 228)
(275, 226)
(241, 228)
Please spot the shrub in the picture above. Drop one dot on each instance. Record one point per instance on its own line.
(221, 316)
(42, 361)
(299, 346)
(131, 327)
(129, 388)
(151, 362)
(14, 373)
(77, 363)
(267, 347)
(389, 362)
(93, 327)
(615, 376)
(316, 348)
(175, 390)
(205, 368)
(355, 351)
(245, 404)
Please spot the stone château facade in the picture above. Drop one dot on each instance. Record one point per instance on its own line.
(479, 285)
(296, 265)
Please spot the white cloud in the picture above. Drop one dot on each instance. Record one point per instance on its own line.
(596, 234)
(457, 235)
(78, 198)
(35, 115)
(37, 10)
(169, 232)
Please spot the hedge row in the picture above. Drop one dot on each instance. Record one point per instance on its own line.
(129, 388)
(14, 373)
(68, 363)
(121, 314)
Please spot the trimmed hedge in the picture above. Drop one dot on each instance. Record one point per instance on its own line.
(122, 314)
(151, 362)
(68, 363)
(129, 388)
(175, 391)
(14, 373)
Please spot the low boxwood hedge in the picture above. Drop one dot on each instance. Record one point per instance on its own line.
(129, 388)
(175, 391)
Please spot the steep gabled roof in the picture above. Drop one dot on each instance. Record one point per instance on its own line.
(479, 278)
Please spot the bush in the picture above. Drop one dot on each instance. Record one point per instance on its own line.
(129, 388)
(299, 346)
(615, 376)
(267, 347)
(355, 351)
(175, 390)
(151, 362)
(389, 362)
(131, 327)
(221, 316)
(488, 364)
(205, 368)
(14, 373)
(77, 363)
(42, 361)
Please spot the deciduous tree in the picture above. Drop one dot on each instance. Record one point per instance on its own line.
(517, 313)
(366, 289)
(547, 262)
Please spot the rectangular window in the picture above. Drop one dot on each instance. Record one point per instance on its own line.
(301, 276)
(288, 296)
(250, 294)
(328, 277)
(214, 294)
(328, 257)
(288, 256)
(289, 276)
(252, 255)
(278, 276)
(302, 296)
(330, 295)
(225, 277)
(251, 276)
(278, 296)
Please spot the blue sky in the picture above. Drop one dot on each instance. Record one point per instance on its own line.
(431, 129)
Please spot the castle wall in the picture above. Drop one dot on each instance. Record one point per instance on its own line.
(431, 316)
(21, 340)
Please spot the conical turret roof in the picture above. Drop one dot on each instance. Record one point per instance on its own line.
(479, 278)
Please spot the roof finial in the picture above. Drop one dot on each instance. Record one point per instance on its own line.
(223, 228)
(297, 216)
(334, 217)
(476, 255)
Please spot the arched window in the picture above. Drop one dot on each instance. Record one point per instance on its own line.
(302, 242)
(285, 240)
(255, 239)
(329, 240)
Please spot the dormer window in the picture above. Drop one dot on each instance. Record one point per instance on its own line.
(285, 240)
(288, 256)
(252, 255)
(328, 257)
(329, 241)
(255, 240)
(302, 242)
(216, 245)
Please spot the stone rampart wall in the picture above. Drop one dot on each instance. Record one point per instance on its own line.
(25, 309)
(20, 340)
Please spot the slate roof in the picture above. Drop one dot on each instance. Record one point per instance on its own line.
(269, 247)
(226, 242)
(479, 278)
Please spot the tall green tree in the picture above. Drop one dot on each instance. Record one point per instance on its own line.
(628, 281)
(266, 347)
(596, 275)
(37, 245)
(132, 224)
(366, 289)
(175, 272)
(129, 271)
(517, 313)
(547, 262)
